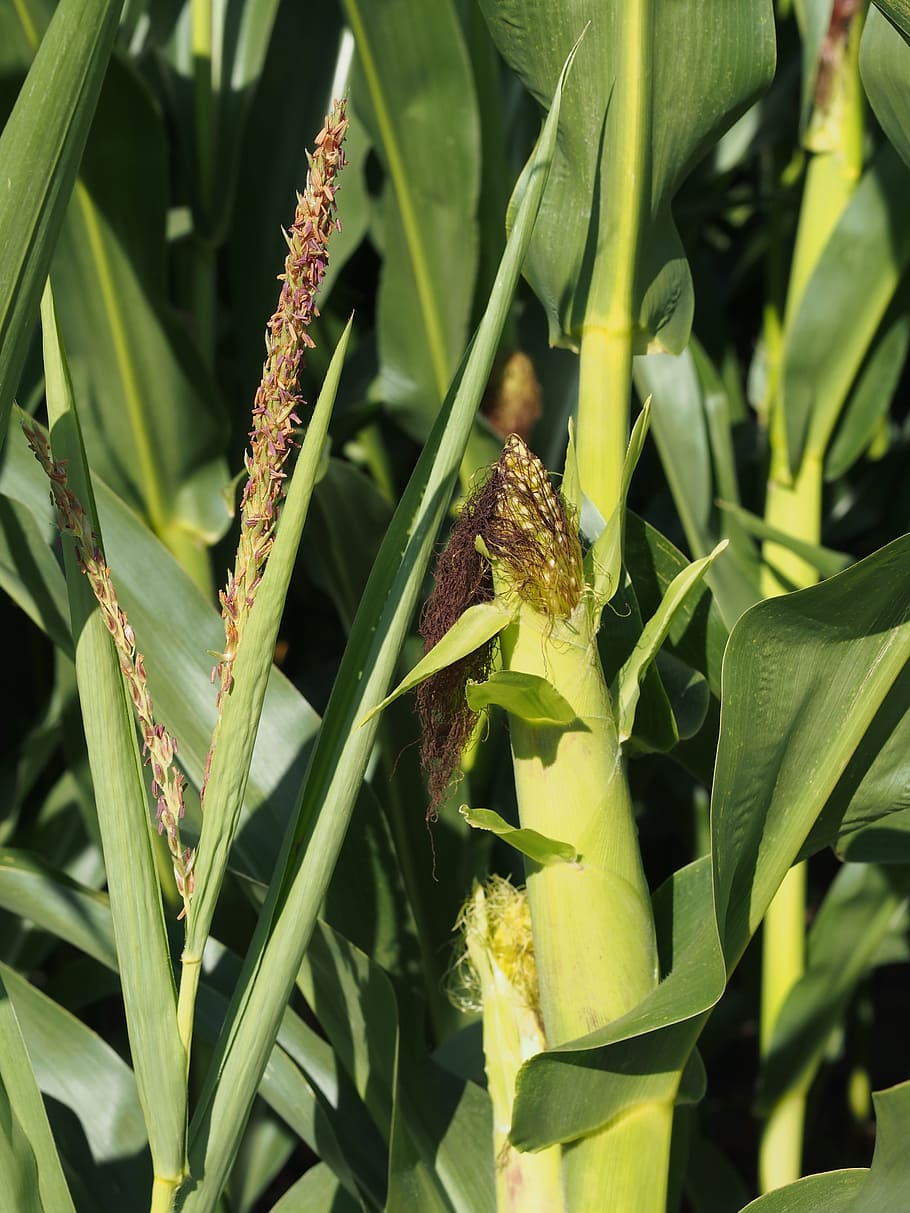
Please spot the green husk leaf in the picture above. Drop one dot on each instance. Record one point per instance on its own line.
(571, 484)
(475, 627)
(535, 845)
(527, 696)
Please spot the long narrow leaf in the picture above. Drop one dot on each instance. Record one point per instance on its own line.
(30, 1169)
(82, 1074)
(123, 813)
(40, 149)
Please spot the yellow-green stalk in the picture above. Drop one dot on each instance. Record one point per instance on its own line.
(793, 505)
(570, 781)
(496, 975)
(593, 929)
(835, 140)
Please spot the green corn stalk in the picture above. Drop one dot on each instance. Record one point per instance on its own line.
(570, 777)
(834, 139)
(593, 930)
(514, 569)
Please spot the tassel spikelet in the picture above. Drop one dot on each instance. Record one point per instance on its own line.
(275, 408)
(158, 747)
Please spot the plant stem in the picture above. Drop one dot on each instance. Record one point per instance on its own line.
(794, 506)
(604, 377)
(610, 310)
(164, 1192)
(624, 1167)
(783, 963)
(795, 509)
(593, 932)
(191, 967)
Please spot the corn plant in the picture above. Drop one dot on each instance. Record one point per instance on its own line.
(520, 822)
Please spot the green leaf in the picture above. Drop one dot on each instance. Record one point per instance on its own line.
(341, 754)
(889, 1175)
(687, 691)
(317, 1191)
(264, 1154)
(32, 890)
(440, 1153)
(832, 1192)
(824, 559)
(441, 1138)
(603, 562)
(883, 58)
(29, 572)
(898, 11)
(123, 811)
(858, 911)
(655, 726)
(882, 1188)
(842, 306)
(538, 848)
(30, 1169)
(106, 1151)
(40, 149)
(649, 97)
(152, 586)
(152, 420)
(652, 637)
(692, 456)
(697, 636)
(527, 696)
(867, 407)
(479, 624)
(308, 1098)
(422, 117)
